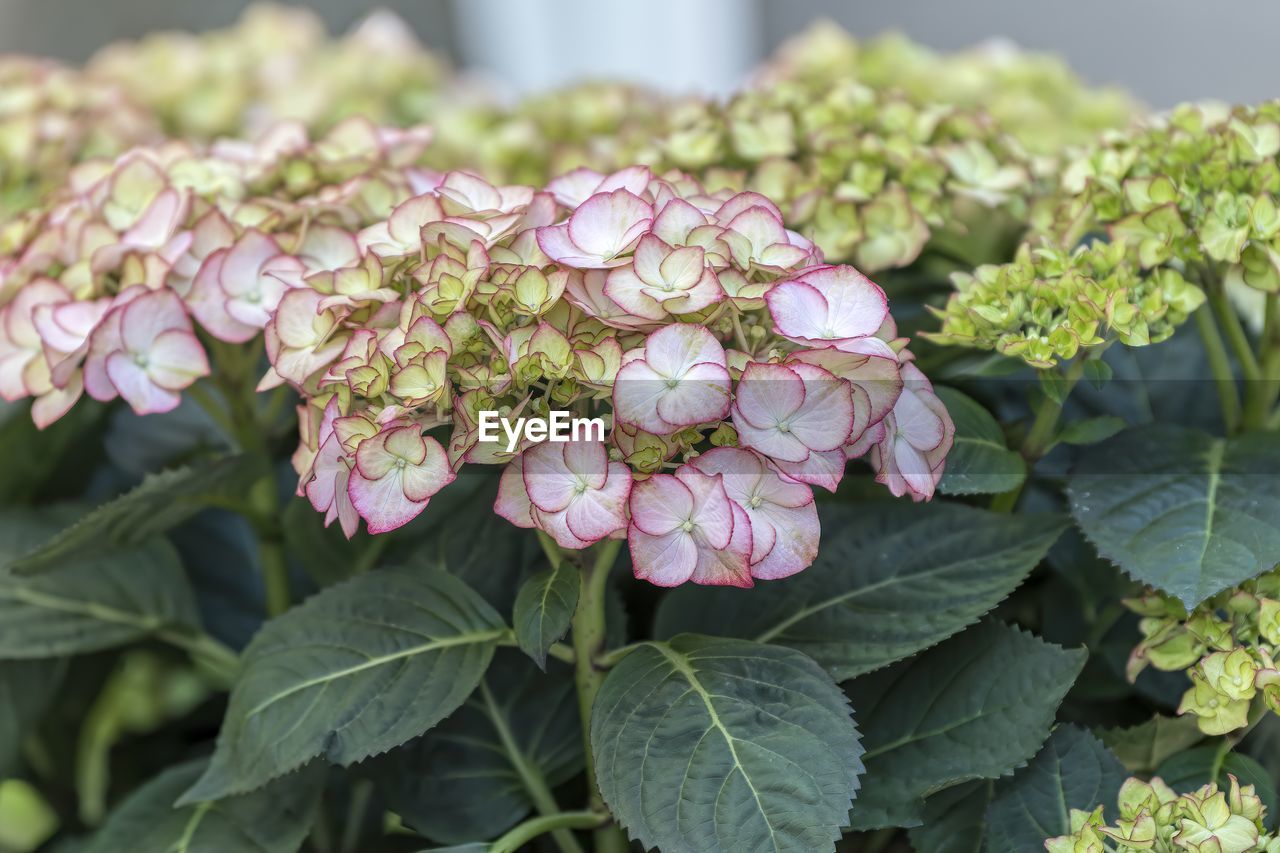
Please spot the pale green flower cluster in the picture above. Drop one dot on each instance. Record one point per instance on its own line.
(52, 117)
(1049, 303)
(1034, 96)
(1154, 817)
(1228, 646)
(277, 63)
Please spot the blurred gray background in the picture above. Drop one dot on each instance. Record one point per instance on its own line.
(1164, 51)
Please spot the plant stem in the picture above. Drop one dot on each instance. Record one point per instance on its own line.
(1236, 336)
(1269, 354)
(361, 794)
(220, 662)
(1039, 439)
(588, 644)
(1216, 352)
(531, 829)
(530, 774)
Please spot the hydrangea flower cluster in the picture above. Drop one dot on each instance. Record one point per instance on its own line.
(733, 369)
(277, 63)
(1228, 646)
(1154, 817)
(1035, 97)
(103, 291)
(1049, 303)
(52, 117)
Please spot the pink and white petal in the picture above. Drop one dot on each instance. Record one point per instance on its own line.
(771, 442)
(556, 525)
(795, 548)
(634, 179)
(799, 310)
(433, 473)
(730, 564)
(636, 393)
(702, 395)
(513, 502)
(549, 482)
(588, 460)
(826, 418)
(660, 504)
(573, 188)
(856, 305)
(713, 516)
(556, 244)
(672, 350)
(176, 360)
(917, 423)
(665, 560)
(53, 404)
(742, 202)
(768, 394)
(825, 469)
(598, 513)
(651, 251)
(704, 293)
(135, 386)
(605, 225)
(627, 290)
(148, 316)
(382, 502)
(676, 220)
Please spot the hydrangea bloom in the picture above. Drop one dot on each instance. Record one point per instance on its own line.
(107, 285)
(542, 313)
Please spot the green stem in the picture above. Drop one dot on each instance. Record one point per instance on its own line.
(361, 795)
(1269, 351)
(1216, 352)
(1236, 336)
(220, 662)
(1039, 440)
(588, 645)
(530, 774)
(531, 829)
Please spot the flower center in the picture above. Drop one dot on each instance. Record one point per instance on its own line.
(784, 427)
(673, 383)
(400, 463)
(755, 501)
(687, 525)
(140, 359)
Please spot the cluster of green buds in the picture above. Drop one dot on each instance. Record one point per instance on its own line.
(1156, 818)
(1049, 303)
(1034, 96)
(1228, 646)
(52, 117)
(277, 63)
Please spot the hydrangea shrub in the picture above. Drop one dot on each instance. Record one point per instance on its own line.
(882, 458)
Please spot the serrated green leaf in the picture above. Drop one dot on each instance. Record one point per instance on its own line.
(354, 671)
(705, 744)
(890, 580)
(275, 819)
(26, 687)
(162, 501)
(544, 608)
(464, 780)
(1091, 430)
(1187, 771)
(1144, 747)
(980, 462)
(973, 708)
(1074, 770)
(1180, 510)
(92, 602)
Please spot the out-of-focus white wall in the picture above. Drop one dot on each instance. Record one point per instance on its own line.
(704, 46)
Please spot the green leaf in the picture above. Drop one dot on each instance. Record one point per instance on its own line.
(980, 462)
(1144, 747)
(704, 744)
(354, 671)
(955, 820)
(32, 456)
(973, 708)
(93, 602)
(1073, 771)
(1187, 771)
(1054, 385)
(1097, 372)
(1091, 430)
(465, 779)
(1180, 510)
(26, 687)
(161, 502)
(890, 579)
(544, 608)
(275, 819)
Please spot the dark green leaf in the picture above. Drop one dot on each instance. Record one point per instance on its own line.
(32, 456)
(275, 819)
(705, 745)
(26, 686)
(161, 502)
(1144, 747)
(356, 670)
(1180, 510)
(955, 820)
(544, 609)
(1054, 385)
(890, 580)
(1189, 770)
(973, 708)
(1090, 430)
(1097, 372)
(90, 603)
(464, 780)
(980, 462)
(1073, 771)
